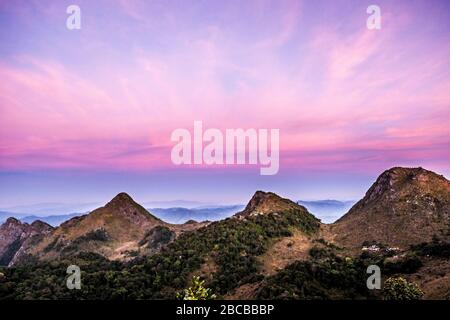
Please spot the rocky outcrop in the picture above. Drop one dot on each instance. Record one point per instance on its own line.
(268, 202)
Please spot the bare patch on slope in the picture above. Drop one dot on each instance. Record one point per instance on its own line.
(290, 249)
(244, 292)
(284, 252)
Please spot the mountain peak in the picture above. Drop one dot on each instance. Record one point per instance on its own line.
(396, 174)
(12, 221)
(391, 183)
(120, 200)
(267, 202)
(123, 205)
(113, 230)
(41, 226)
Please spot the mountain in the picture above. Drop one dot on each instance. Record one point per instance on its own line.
(327, 211)
(119, 230)
(15, 234)
(228, 252)
(112, 230)
(404, 206)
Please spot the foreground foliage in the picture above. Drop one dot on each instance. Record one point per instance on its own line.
(400, 289)
(197, 291)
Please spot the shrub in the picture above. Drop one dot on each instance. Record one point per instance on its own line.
(400, 289)
(197, 291)
(157, 237)
(436, 248)
(408, 264)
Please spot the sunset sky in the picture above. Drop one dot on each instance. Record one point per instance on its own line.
(85, 114)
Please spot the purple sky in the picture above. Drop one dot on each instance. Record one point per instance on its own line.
(85, 114)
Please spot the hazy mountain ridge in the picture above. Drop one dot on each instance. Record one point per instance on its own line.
(53, 220)
(49, 209)
(179, 215)
(4, 215)
(327, 210)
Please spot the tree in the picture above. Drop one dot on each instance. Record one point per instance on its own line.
(400, 289)
(197, 291)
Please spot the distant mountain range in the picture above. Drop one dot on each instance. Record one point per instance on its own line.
(176, 204)
(51, 213)
(260, 252)
(5, 215)
(54, 221)
(51, 209)
(181, 215)
(327, 210)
